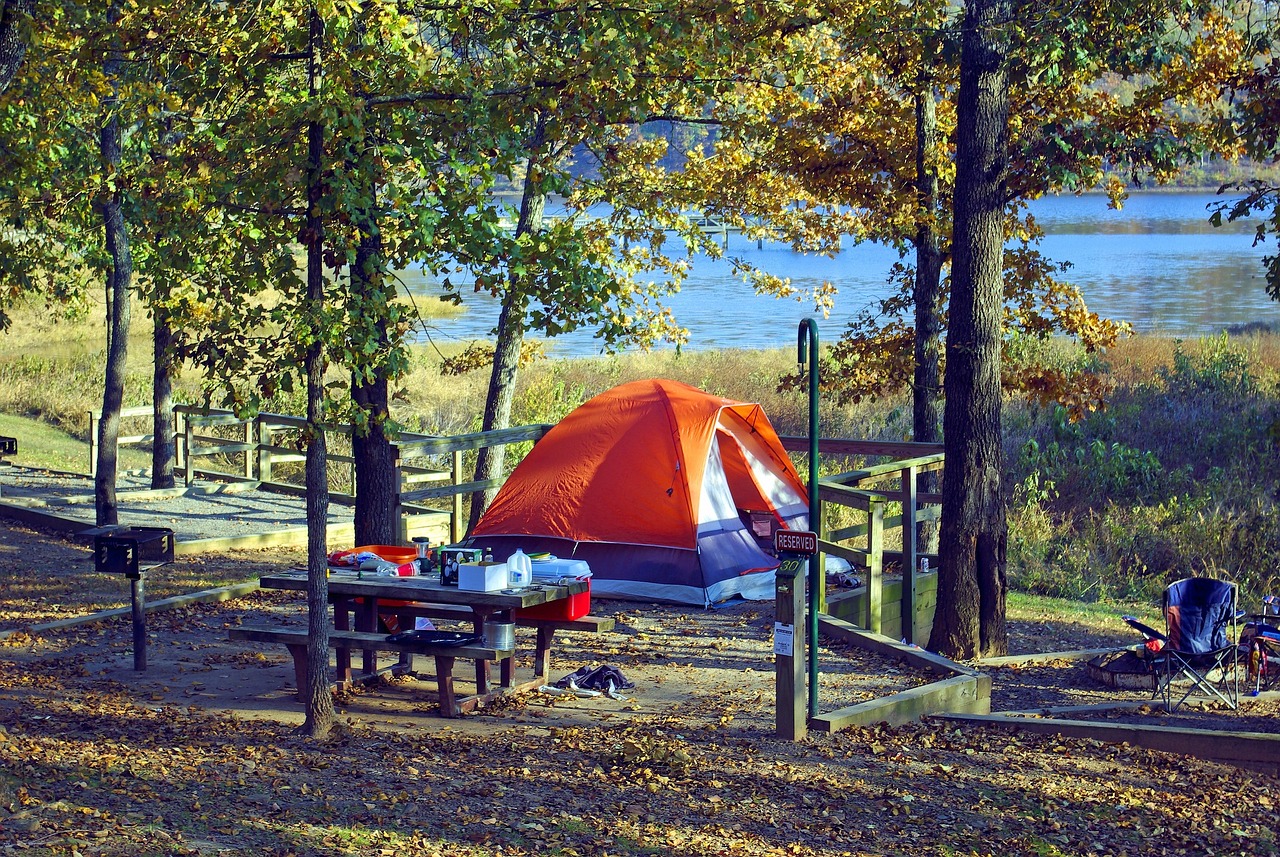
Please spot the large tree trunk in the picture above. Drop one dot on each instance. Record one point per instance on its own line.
(970, 616)
(377, 513)
(15, 18)
(319, 702)
(506, 356)
(119, 281)
(927, 384)
(162, 422)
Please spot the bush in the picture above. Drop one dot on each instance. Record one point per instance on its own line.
(1177, 478)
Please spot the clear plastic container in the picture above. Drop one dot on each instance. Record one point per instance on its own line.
(519, 570)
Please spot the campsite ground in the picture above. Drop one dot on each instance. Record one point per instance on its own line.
(199, 756)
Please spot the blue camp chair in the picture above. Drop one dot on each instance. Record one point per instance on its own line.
(1199, 644)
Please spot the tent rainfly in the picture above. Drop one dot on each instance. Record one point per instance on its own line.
(668, 492)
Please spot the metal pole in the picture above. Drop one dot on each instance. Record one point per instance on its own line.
(807, 355)
(139, 626)
(788, 650)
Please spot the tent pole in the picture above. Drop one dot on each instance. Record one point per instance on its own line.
(807, 355)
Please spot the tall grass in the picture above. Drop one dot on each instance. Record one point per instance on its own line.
(1177, 477)
(1180, 475)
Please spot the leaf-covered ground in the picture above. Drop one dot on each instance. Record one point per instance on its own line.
(200, 756)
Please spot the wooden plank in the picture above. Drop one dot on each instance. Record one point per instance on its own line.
(1255, 751)
(849, 446)
(962, 693)
(472, 441)
(589, 624)
(369, 640)
(450, 490)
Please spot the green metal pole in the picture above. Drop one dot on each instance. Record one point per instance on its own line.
(807, 355)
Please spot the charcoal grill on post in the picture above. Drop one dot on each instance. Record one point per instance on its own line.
(8, 446)
(132, 551)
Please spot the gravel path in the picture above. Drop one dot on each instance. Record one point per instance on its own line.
(204, 510)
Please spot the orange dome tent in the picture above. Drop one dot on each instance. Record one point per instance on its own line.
(668, 492)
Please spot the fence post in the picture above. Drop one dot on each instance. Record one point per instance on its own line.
(456, 528)
(909, 551)
(93, 443)
(351, 464)
(875, 563)
(397, 483)
(250, 433)
(179, 428)
(189, 474)
(263, 433)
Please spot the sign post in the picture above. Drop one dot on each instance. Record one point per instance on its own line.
(807, 357)
(793, 548)
(126, 551)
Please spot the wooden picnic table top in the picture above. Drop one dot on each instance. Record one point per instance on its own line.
(428, 589)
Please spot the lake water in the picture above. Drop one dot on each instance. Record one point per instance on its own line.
(1158, 264)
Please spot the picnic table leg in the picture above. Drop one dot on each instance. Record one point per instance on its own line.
(342, 655)
(444, 682)
(299, 654)
(542, 655)
(367, 620)
(482, 667)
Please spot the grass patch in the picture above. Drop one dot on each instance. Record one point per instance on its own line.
(1102, 617)
(43, 446)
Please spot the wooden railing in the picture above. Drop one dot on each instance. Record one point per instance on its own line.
(127, 417)
(216, 444)
(870, 491)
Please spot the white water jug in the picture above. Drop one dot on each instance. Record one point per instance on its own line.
(519, 570)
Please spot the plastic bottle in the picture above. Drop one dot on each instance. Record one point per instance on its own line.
(519, 570)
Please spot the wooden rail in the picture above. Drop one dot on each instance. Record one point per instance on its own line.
(870, 490)
(212, 443)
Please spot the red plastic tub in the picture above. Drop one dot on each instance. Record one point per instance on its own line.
(563, 609)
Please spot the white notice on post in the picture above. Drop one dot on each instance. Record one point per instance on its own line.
(783, 636)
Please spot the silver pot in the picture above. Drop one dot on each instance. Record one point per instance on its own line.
(499, 635)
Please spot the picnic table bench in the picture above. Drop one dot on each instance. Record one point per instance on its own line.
(367, 599)
(546, 628)
(295, 640)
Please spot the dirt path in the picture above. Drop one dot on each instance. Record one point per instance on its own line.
(198, 754)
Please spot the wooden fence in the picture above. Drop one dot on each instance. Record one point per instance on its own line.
(266, 450)
(887, 503)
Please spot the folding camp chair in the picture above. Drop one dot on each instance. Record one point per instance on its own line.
(1260, 645)
(1199, 644)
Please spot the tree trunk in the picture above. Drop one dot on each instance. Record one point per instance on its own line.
(119, 281)
(506, 355)
(319, 702)
(377, 512)
(927, 387)
(970, 617)
(162, 422)
(15, 18)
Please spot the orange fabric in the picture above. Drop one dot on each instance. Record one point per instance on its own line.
(628, 466)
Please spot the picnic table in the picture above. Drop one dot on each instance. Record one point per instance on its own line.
(358, 599)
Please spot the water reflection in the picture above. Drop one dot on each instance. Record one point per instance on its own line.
(1157, 263)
